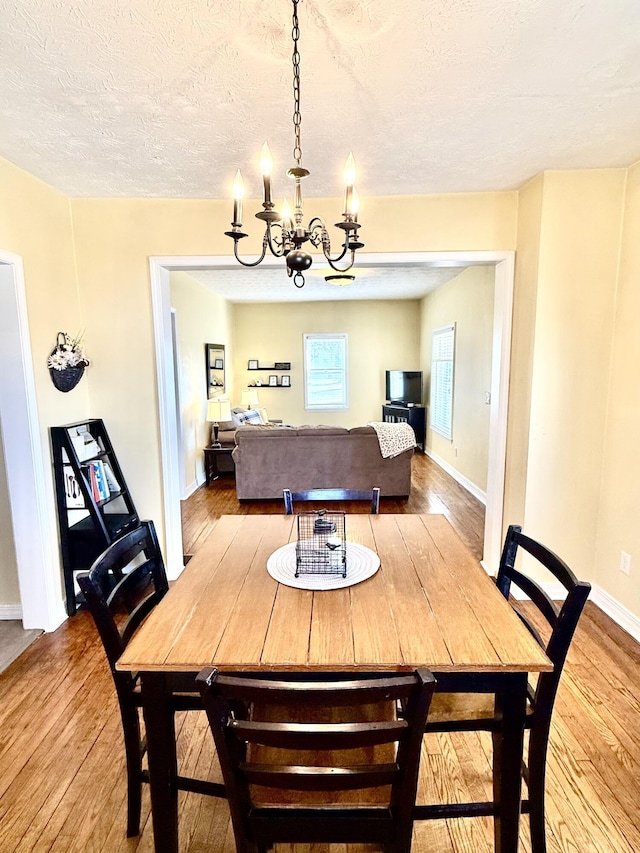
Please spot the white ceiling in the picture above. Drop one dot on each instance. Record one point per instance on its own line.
(154, 98)
(269, 284)
(166, 98)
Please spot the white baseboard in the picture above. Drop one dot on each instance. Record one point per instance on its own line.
(627, 620)
(457, 476)
(10, 611)
(192, 487)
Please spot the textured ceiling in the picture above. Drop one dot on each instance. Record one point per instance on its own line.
(166, 98)
(272, 284)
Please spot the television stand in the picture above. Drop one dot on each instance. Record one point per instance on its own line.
(413, 415)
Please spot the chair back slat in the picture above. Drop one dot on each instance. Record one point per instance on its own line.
(551, 561)
(539, 597)
(137, 616)
(262, 741)
(304, 778)
(307, 736)
(330, 692)
(515, 540)
(319, 495)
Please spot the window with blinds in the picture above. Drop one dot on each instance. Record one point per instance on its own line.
(325, 373)
(442, 365)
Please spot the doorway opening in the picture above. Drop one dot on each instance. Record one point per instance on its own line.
(503, 262)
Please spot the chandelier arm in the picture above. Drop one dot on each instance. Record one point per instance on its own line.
(326, 249)
(251, 263)
(318, 224)
(332, 261)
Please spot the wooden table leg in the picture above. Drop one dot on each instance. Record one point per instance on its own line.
(507, 761)
(161, 753)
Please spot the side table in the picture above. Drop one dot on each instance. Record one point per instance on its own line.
(218, 460)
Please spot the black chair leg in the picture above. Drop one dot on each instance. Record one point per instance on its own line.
(131, 729)
(537, 770)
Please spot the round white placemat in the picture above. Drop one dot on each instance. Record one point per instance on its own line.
(362, 563)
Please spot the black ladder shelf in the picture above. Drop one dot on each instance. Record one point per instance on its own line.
(94, 504)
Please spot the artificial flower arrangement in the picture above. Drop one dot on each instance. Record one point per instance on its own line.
(67, 362)
(67, 353)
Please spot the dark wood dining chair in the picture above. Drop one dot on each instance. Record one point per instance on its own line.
(119, 597)
(371, 495)
(452, 712)
(270, 764)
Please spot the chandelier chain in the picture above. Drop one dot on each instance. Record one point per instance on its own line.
(285, 235)
(297, 118)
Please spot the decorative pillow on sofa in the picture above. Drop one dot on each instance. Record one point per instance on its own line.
(235, 416)
(246, 416)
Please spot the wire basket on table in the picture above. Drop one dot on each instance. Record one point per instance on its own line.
(321, 548)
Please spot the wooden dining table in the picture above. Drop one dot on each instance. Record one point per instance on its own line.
(430, 603)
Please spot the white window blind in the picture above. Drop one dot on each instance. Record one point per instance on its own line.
(325, 373)
(442, 367)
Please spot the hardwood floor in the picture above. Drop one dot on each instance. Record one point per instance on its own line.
(62, 780)
(432, 491)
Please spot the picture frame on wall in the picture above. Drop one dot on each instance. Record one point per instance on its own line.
(273, 380)
(253, 364)
(218, 364)
(285, 381)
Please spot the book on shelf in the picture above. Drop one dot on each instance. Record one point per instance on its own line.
(93, 485)
(98, 480)
(112, 483)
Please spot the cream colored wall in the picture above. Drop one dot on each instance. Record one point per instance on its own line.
(570, 466)
(576, 288)
(567, 243)
(466, 300)
(618, 528)
(202, 317)
(381, 335)
(35, 223)
(522, 335)
(455, 222)
(114, 239)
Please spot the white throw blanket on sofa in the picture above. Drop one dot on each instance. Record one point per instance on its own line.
(394, 438)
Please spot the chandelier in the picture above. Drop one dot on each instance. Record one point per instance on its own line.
(284, 233)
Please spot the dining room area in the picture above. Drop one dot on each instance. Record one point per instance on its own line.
(413, 598)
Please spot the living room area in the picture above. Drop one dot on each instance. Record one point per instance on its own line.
(255, 341)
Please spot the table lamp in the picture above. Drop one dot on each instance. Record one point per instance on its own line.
(218, 410)
(250, 398)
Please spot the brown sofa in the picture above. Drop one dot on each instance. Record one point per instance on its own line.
(269, 459)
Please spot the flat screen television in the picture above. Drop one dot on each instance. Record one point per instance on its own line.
(404, 386)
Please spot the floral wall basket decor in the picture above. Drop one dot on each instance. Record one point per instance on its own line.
(67, 362)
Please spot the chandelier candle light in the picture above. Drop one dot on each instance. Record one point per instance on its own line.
(284, 233)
